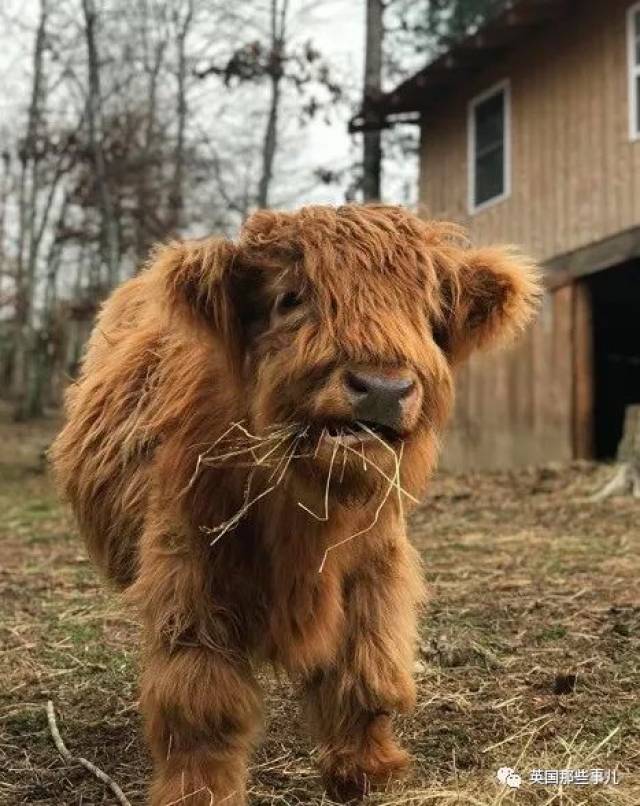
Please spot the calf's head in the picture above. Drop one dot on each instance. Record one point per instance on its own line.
(346, 323)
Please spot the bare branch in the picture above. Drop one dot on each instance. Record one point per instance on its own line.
(88, 765)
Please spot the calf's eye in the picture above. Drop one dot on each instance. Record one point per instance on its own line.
(287, 302)
(440, 336)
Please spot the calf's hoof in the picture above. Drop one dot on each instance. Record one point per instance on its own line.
(351, 780)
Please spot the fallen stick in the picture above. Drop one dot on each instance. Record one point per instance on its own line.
(88, 765)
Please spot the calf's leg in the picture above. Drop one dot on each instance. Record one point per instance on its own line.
(199, 698)
(202, 711)
(350, 703)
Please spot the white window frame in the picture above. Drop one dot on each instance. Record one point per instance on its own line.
(501, 87)
(633, 72)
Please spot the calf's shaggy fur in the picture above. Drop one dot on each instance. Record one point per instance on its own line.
(219, 473)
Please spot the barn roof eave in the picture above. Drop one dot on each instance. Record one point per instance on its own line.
(490, 42)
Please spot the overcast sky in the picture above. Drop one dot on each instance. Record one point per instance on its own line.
(339, 32)
(335, 26)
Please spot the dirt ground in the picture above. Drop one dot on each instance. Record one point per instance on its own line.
(529, 653)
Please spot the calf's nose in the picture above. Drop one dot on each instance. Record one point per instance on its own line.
(378, 398)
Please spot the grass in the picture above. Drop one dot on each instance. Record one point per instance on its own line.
(528, 656)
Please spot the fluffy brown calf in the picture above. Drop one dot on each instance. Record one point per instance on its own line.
(251, 420)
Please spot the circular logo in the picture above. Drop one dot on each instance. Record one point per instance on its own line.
(507, 776)
(513, 781)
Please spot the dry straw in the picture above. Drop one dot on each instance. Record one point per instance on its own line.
(276, 449)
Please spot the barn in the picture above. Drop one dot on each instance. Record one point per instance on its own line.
(530, 134)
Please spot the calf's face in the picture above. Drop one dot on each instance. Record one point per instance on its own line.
(347, 323)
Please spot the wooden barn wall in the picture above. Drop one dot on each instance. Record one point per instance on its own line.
(575, 172)
(514, 407)
(575, 181)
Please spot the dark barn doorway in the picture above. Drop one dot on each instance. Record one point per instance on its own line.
(615, 310)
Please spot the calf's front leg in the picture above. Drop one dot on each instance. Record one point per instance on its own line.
(199, 698)
(350, 703)
(201, 710)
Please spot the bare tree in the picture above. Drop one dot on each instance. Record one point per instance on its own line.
(27, 202)
(118, 150)
(176, 194)
(110, 234)
(154, 37)
(372, 147)
(5, 183)
(278, 32)
(280, 59)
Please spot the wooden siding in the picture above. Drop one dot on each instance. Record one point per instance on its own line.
(515, 408)
(575, 171)
(575, 182)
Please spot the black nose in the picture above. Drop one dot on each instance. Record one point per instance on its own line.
(378, 398)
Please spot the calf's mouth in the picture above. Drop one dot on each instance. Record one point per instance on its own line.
(361, 431)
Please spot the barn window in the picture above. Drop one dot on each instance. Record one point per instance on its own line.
(489, 147)
(633, 34)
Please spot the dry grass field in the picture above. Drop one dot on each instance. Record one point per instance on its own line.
(529, 654)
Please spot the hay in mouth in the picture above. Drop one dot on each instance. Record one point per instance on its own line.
(278, 448)
(357, 431)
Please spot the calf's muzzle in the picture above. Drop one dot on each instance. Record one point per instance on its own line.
(380, 399)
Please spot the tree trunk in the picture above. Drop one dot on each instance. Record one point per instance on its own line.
(270, 144)
(372, 145)
(176, 193)
(4, 199)
(144, 188)
(110, 234)
(270, 141)
(23, 336)
(43, 386)
(626, 479)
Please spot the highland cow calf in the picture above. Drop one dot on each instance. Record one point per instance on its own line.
(251, 422)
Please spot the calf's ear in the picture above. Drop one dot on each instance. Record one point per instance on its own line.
(198, 278)
(488, 298)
